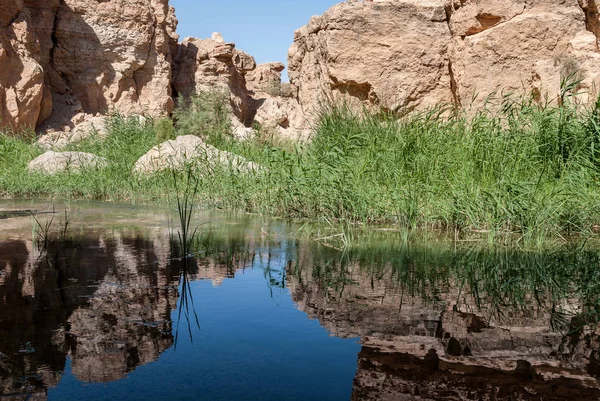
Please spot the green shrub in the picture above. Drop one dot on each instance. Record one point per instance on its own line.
(207, 115)
(165, 130)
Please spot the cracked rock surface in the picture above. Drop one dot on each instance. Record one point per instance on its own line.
(413, 54)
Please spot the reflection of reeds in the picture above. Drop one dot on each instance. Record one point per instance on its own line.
(562, 284)
(186, 301)
(42, 230)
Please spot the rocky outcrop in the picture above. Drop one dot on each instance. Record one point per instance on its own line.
(63, 59)
(265, 77)
(103, 56)
(276, 109)
(519, 49)
(53, 162)
(212, 65)
(412, 54)
(84, 127)
(391, 53)
(189, 150)
(114, 54)
(23, 99)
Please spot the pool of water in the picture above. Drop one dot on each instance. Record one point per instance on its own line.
(97, 302)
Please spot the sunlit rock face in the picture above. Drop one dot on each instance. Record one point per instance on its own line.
(413, 54)
(427, 334)
(212, 65)
(76, 56)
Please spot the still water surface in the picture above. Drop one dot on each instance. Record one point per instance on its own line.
(108, 309)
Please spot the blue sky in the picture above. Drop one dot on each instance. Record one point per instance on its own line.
(263, 28)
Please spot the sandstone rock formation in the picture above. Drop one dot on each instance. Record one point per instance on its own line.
(53, 162)
(392, 53)
(109, 55)
(212, 65)
(84, 127)
(412, 54)
(63, 58)
(188, 150)
(276, 109)
(23, 99)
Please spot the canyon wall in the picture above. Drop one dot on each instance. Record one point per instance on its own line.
(414, 54)
(60, 58)
(82, 55)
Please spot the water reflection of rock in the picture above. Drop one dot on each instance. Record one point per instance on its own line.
(441, 343)
(104, 301)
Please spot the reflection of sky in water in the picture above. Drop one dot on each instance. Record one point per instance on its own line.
(249, 346)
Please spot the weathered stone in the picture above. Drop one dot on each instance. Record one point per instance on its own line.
(56, 162)
(115, 54)
(390, 53)
(21, 76)
(189, 150)
(106, 55)
(411, 54)
(84, 126)
(208, 65)
(264, 77)
(521, 53)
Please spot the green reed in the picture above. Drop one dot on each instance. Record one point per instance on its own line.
(522, 172)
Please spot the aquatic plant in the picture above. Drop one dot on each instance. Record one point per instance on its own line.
(41, 230)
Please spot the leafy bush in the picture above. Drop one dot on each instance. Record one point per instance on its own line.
(165, 130)
(207, 115)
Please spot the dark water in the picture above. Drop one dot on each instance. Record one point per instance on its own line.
(112, 311)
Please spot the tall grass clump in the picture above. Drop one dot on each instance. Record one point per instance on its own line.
(520, 170)
(528, 171)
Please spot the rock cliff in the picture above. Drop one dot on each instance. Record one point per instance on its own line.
(414, 54)
(69, 56)
(61, 58)
(22, 91)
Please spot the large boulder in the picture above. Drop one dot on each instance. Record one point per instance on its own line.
(53, 162)
(189, 150)
(84, 127)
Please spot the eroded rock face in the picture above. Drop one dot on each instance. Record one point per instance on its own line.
(276, 108)
(114, 54)
(390, 53)
(212, 65)
(412, 54)
(21, 75)
(101, 55)
(522, 48)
